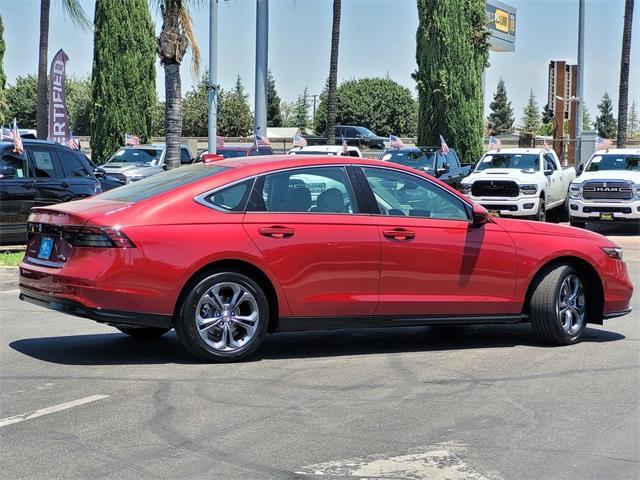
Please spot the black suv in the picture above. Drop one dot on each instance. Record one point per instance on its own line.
(45, 174)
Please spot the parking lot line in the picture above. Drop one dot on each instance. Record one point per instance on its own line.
(53, 409)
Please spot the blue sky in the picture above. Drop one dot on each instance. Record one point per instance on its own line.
(377, 38)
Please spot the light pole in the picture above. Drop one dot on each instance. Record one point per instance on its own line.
(262, 65)
(213, 75)
(580, 81)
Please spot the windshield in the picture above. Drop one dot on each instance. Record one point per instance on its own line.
(521, 161)
(162, 182)
(614, 162)
(233, 153)
(136, 155)
(365, 132)
(421, 160)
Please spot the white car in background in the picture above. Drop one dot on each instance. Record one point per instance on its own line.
(334, 150)
(608, 189)
(519, 182)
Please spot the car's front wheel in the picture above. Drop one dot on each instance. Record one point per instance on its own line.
(541, 214)
(558, 309)
(223, 318)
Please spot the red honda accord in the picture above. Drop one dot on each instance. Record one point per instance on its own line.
(228, 251)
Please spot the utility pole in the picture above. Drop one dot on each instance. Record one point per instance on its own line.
(580, 84)
(213, 75)
(262, 61)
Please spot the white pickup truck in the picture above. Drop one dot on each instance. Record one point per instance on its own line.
(519, 182)
(608, 189)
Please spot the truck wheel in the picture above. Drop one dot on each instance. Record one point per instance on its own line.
(541, 214)
(577, 223)
(558, 309)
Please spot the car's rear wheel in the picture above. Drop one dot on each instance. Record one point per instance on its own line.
(143, 332)
(223, 318)
(558, 309)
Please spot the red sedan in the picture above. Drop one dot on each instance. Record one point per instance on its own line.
(228, 251)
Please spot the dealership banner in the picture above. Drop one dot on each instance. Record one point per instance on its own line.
(58, 118)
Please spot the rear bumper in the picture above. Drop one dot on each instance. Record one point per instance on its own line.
(98, 314)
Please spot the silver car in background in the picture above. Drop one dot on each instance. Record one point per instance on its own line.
(130, 164)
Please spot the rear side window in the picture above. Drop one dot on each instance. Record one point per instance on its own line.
(72, 165)
(233, 198)
(161, 183)
(45, 164)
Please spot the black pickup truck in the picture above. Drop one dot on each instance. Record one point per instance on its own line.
(354, 136)
(445, 167)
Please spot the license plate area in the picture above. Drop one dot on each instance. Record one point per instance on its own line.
(494, 213)
(607, 216)
(46, 248)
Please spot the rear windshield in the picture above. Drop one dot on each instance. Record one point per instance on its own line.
(161, 183)
(232, 153)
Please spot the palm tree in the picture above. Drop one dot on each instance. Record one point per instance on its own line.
(333, 74)
(174, 39)
(625, 58)
(79, 17)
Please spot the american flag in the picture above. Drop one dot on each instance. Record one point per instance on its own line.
(602, 143)
(73, 142)
(7, 135)
(219, 141)
(395, 142)
(443, 146)
(299, 141)
(494, 143)
(17, 139)
(260, 140)
(345, 147)
(131, 139)
(545, 145)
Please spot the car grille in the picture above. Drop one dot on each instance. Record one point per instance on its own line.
(511, 208)
(494, 188)
(606, 209)
(607, 190)
(119, 176)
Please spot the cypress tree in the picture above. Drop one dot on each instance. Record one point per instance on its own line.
(451, 52)
(606, 122)
(301, 112)
(633, 127)
(531, 116)
(500, 120)
(274, 116)
(123, 79)
(3, 77)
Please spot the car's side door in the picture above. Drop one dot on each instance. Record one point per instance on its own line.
(554, 181)
(433, 261)
(307, 224)
(17, 196)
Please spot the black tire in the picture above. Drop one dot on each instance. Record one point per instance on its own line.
(143, 333)
(577, 223)
(187, 330)
(541, 214)
(544, 307)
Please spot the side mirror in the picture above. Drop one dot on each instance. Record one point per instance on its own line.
(479, 215)
(580, 168)
(548, 173)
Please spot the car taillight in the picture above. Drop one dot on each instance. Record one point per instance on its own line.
(103, 237)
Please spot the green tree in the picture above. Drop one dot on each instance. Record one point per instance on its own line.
(79, 105)
(234, 118)
(287, 110)
(274, 116)
(500, 120)
(301, 110)
(332, 83)
(124, 93)
(175, 37)
(78, 16)
(605, 122)
(633, 122)
(451, 52)
(22, 101)
(531, 116)
(157, 129)
(3, 78)
(586, 118)
(380, 104)
(195, 109)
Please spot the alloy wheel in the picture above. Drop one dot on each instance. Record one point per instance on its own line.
(571, 304)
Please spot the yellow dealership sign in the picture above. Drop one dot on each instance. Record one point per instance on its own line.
(502, 20)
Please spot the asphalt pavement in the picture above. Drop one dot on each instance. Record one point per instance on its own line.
(79, 400)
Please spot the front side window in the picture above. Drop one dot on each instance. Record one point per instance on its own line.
(305, 190)
(549, 163)
(72, 165)
(185, 156)
(399, 194)
(13, 166)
